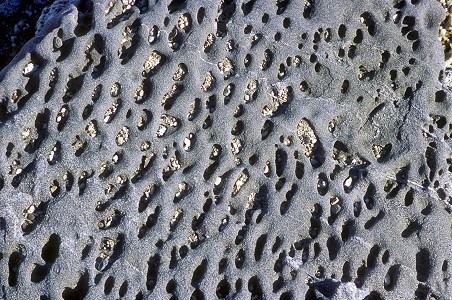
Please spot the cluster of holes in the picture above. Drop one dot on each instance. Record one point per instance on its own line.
(95, 61)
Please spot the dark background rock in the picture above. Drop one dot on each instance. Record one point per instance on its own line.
(17, 25)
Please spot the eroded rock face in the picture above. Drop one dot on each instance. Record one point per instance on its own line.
(241, 149)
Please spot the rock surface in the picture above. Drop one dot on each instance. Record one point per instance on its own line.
(228, 149)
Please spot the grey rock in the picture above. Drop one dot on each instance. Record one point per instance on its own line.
(123, 177)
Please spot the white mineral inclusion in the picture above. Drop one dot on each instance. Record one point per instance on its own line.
(29, 69)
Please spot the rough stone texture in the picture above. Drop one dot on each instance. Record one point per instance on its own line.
(52, 11)
(149, 150)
